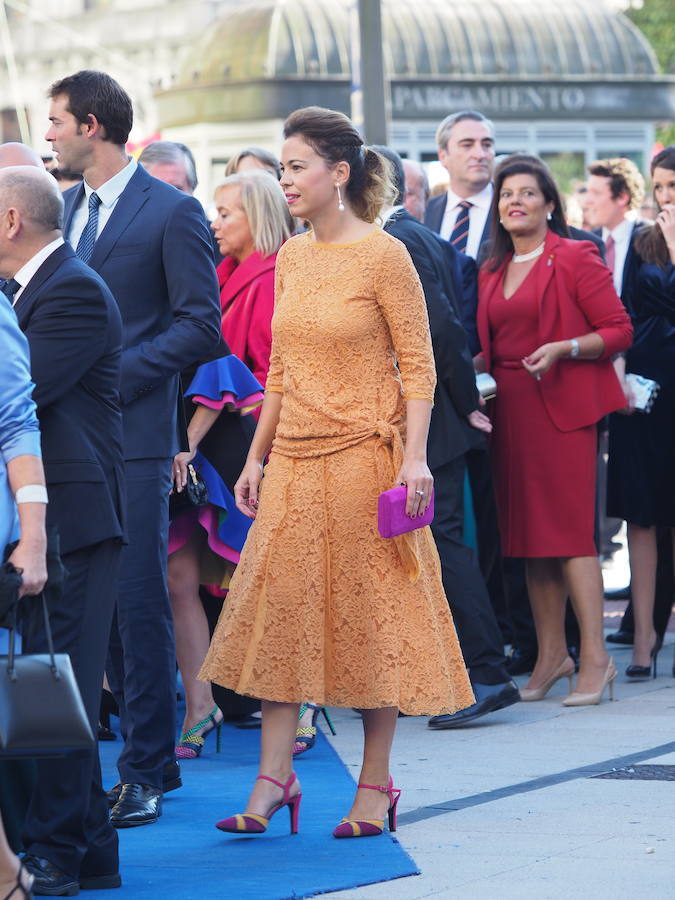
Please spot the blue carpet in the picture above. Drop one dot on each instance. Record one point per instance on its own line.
(184, 856)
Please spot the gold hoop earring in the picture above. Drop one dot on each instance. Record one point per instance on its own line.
(341, 205)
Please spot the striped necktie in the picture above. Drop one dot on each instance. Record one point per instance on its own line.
(85, 245)
(460, 233)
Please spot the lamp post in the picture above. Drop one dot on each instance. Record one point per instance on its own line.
(369, 92)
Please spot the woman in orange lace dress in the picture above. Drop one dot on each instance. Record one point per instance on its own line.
(321, 606)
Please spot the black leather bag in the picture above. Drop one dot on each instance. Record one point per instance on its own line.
(194, 494)
(41, 710)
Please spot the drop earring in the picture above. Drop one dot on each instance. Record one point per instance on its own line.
(548, 217)
(341, 205)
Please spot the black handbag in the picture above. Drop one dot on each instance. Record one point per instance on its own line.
(41, 710)
(194, 494)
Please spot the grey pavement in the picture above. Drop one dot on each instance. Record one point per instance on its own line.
(526, 824)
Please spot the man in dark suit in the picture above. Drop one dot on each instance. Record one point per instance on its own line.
(74, 332)
(456, 426)
(150, 244)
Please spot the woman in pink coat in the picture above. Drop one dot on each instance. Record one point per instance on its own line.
(252, 223)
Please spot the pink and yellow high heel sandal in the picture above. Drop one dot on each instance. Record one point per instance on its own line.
(350, 828)
(252, 823)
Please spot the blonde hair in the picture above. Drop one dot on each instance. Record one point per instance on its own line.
(265, 207)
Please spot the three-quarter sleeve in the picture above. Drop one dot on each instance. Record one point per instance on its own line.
(401, 299)
(275, 374)
(599, 301)
(19, 430)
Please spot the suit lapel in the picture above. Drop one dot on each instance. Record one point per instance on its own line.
(436, 213)
(133, 197)
(29, 294)
(545, 272)
(72, 199)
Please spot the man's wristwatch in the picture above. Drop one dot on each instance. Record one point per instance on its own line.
(574, 352)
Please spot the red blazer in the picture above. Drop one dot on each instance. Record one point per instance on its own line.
(576, 296)
(247, 304)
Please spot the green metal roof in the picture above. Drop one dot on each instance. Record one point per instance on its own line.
(309, 39)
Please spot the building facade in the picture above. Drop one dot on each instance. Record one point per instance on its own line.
(568, 81)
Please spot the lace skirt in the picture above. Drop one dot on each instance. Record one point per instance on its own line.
(322, 608)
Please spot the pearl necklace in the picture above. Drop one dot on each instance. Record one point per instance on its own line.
(526, 257)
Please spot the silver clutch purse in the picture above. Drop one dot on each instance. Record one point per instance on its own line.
(487, 386)
(645, 391)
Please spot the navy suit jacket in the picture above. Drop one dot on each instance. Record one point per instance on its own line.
(155, 255)
(450, 435)
(631, 265)
(74, 332)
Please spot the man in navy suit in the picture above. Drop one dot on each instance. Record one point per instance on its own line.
(150, 244)
(74, 332)
(457, 426)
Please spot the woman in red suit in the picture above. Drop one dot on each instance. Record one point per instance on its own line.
(252, 223)
(549, 322)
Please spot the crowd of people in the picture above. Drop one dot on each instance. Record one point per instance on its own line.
(204, 420)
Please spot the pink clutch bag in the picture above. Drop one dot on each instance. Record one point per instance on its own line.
(391, 517)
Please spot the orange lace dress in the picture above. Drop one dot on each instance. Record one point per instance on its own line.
(320, 605)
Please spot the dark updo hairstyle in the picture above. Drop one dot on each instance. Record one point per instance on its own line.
(650, 242)
(333, 136)
(522, 164)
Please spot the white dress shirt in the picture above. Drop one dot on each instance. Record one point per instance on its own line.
(477, 217)
(27, 270)
(622, 235)
(109, 192)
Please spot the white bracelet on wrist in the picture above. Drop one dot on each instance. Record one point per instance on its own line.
(574, 352)
(31, 493)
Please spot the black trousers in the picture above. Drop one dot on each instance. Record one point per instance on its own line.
(487, 527)
(67, 820)
(477, 629)
(141, 665)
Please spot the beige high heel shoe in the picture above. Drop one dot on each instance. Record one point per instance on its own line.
(564, 670)
(576, 699)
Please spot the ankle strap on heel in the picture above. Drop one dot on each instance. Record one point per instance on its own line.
(284, 787)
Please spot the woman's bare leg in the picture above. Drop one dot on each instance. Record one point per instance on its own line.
(191, 628)
(379, 726)
(643, 558)
(9, 866)
(584, 580)
(547, 592)
(279, 724)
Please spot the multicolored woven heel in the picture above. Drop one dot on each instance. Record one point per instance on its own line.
(252, 823)
(191, 743)
(305, 736)
(351, 828)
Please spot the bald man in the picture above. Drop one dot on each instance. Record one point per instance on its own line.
(15, 154)
(416, 194)
(74, 332)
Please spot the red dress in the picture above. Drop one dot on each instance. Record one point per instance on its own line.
(544, 478)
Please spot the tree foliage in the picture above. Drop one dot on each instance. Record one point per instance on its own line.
(656, 20)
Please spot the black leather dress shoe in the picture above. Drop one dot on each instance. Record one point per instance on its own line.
(249, 722)
(519, 663)
(620, 637)
(623, 593)
(171, 780)
(100, 882)
(49, 880)
(139, 804)
(489, 697)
